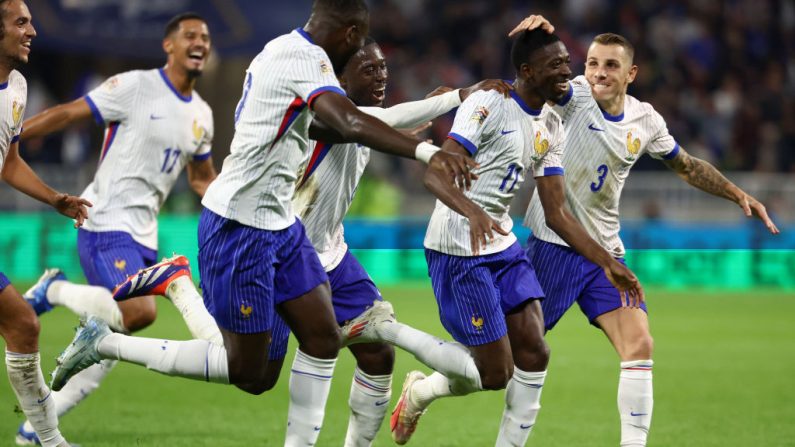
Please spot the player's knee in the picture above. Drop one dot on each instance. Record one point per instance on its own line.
(139, 317)
(23, 335)
(324, 345)
(496, 378)
(641, 348)
(378, 359)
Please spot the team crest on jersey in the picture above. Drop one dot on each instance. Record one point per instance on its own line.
(477, 322)
(633, 146)
(120, 264)
(480, 115)
(198, 132)
(111, 83)
(541, 145)
(16, 114)
(324, 68)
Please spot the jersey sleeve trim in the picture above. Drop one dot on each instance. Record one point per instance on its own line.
(568, 96)
(471, 148)
(552, 171)
(94, 110)
(202, 157)
(310, 98)
(674, 152)
(15, 138)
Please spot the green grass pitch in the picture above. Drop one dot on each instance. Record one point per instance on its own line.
(723, 373)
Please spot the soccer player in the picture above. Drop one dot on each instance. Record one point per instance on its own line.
(608, 130)
(156, 125)
(19, 326)
(489, 298)
(254, 257)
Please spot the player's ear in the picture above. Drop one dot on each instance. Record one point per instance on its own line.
(168, 45)
(526, 71)
(633, 71)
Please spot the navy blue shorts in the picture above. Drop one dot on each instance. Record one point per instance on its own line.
(474, 293)
(4, 281)
(352, 290)
(245, 271)
(109, 257)
(566, 277)
(280, 337)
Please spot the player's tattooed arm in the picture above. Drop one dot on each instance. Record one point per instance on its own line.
(481, 225)
(706, 177)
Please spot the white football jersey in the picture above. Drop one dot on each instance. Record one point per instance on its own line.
(152, 132)
(327, 186)
(13, 97)
(599, 151)
(506, 137)
(271, 143)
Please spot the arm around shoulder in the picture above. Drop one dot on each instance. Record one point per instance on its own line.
(56, 118)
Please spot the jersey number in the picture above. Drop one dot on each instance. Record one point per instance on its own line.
(513, 171)
(170, 160)
(242, 103)
(602, 170)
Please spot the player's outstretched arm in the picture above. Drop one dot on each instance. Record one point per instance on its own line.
(56, 118)
(560, 220)
(200, 175)
(17, 173)
(348, 124)
(706, 177)
(481, 225)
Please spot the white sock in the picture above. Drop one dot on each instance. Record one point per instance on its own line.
(310, 381)
(522, 403)
(369, 401)
(87, 300)
(78, 388)
(34, 397)
(449, 358)
(192, 359)
(190, 304)
(437, 385)
(635, 402)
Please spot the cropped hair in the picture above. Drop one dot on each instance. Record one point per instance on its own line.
(616, 39)
(527, 43)
(173, 24)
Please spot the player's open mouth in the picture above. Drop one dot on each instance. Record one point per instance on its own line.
(26, 45)
(379, 93)
(196, 56)
(562, 86)
(599, 87)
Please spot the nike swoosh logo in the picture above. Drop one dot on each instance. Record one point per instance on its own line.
(41, 401)
(154, 117)
(317, 428)
(382, 403)
(506, 132)
(590, 126)
(632, 413)
(525, 427)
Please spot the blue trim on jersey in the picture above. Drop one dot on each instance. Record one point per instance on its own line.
(202, 157)
(529, 110)
(552, 171)
(674, 152)
(171, 86)
(613, 118)
(15, 138)
(94, 110)
(305, 35)
(471, 148)
(320, 152)
(4, 85)
(568, 96)
(320, 90)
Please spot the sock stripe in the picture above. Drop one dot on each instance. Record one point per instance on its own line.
(369, 385)
(317, 376)
(638, 368)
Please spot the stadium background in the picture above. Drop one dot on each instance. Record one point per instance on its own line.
(722, 74)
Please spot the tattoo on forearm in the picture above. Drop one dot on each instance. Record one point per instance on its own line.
(703, 176)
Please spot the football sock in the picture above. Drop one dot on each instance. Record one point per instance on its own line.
(635, 401)
(78, 388)
(34, 397)
(192, 359)
(310, 381)
(437, 385)
(190, 304)
(87, 300)
(369, 400)
(522, 403)
(449, 358)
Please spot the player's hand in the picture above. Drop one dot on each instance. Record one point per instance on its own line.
(457, 167)
(485, 85)
(627, 283)
(481, 230)
(752, 207)
(72, 206)
(532, 22)
(438, 91)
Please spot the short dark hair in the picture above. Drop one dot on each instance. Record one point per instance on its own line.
(2, 16)
(527, 43)
(342, 10)
(173, 24)
(616, 39)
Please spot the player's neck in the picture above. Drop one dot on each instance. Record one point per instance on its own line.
(530, 97)
(5, 71)
(180, 80)
(614, 106)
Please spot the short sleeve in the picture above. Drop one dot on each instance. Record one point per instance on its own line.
(476, 120)
(552, 161)
(113, 99)
(579, 93)
(313, 74)
(662, 145)
(203, 151)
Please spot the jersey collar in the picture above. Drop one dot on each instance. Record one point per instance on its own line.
(613, 118)
(171, 86)
(529, 110)
(305, 35)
